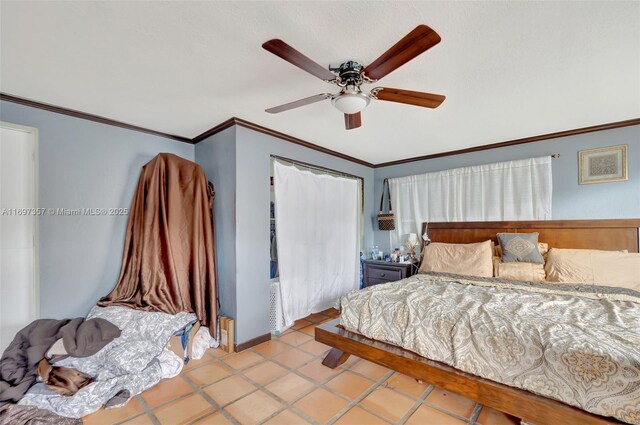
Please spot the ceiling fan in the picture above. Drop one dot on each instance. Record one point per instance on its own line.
(350, 76)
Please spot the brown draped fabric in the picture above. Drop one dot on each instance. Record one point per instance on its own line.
(169, 252)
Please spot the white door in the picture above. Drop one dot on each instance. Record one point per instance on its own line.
(18, 226)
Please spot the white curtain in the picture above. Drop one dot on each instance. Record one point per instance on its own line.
(317, 235)
(503, 191)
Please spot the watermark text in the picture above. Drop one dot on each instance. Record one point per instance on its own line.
(63, 211)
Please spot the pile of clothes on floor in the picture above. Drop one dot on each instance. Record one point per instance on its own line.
(167, 283)
(56, 371)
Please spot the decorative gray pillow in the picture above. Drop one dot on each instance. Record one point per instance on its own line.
(520, 247)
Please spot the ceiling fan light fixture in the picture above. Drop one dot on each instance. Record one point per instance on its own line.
(351, 102)
(351, 74)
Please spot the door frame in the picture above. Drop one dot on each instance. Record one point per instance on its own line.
(36, 194)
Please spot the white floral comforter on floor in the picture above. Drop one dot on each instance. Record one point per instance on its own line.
(579, 344)
(135, 361)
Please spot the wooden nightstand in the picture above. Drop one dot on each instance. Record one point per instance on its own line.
(377, 272)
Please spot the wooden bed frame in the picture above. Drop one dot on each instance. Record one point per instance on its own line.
(583, 234)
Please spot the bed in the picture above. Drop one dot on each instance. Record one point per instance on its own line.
(527, 405)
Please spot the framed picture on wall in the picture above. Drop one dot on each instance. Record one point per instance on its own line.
(603, 165)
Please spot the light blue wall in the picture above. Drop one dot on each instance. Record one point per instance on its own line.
(570, 200)
(91, 165)
(253, 161)
(217, 156)
(87, 164)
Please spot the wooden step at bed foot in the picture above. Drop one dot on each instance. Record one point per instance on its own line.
(335, 358)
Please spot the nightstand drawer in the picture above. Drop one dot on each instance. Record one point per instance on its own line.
(372, 282)
(384, 274)
(377, 272)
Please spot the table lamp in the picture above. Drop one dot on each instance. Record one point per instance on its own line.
(412, 243)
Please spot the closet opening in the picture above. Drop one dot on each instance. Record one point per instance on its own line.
(316, 213)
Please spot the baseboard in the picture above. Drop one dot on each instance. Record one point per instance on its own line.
(255, 341)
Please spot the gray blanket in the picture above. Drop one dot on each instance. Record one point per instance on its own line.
(18, 363)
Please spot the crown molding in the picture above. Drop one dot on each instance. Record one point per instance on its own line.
(89, 117)
(286, 137)
(566, 133)
(538, 138)
(214, 130)
(297, 141)
(259, 128)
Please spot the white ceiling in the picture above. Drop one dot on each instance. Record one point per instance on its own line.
(508, 69)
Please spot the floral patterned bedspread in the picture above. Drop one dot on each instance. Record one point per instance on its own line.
(579, 344)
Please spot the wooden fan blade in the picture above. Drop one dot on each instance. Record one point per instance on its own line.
(352, 120)
(298, 103)
(428, 100)
(416, 42)
(291, 55)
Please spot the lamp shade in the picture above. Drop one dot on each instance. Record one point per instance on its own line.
(351, 102)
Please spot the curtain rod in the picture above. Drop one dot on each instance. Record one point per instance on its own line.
(325, 170)
(316, 167)
(336, 172)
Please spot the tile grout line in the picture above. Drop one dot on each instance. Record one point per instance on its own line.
(381, 384)
(316, 385)
(147, 410)
(212, 360)
(211, 401)
(240, 372)
(419, 402)
(378, 384)
(125, 420)
(322, 384)
(236, 372)
(415, 407)
(221, 408)
(290, 404)
(422, 399)
(476, 413)
(181, 375)
(443, 410)
(355, 402)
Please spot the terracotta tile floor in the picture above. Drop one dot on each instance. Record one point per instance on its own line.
(283, 382)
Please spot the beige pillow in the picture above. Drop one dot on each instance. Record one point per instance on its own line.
(608, 268)
(472, 259)
(529, 272)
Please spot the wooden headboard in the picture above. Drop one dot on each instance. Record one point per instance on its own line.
(610, 235)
